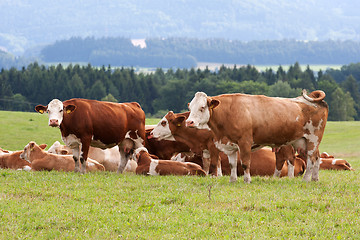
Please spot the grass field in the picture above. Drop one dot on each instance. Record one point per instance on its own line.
(58, 205)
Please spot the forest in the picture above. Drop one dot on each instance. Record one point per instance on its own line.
(160, 91)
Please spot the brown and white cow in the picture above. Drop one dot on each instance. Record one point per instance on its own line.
(252, 121)
(42, 160)
(12, 160)
(86, 122)
(200, 141)
(329, 162)
(149, 166)
(109, 158)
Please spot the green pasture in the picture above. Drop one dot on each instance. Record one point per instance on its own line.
(58, 205)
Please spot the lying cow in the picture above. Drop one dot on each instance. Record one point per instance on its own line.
(200, 141)
(252, 121)
(42, 160)
(109, 158)
(12, 160)
(84, 122)
(329, 162)
(149, 166)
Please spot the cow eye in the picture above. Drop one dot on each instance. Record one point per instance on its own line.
(163, 123)
(202, 109)
(61, 110)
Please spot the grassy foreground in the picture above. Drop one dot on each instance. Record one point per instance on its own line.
(57, 205)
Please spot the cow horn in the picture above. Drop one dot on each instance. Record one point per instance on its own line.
(315, 96)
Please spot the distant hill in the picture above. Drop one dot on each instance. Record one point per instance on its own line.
(187, 52)
(27, 23)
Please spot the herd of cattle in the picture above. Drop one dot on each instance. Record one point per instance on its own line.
(220, 135)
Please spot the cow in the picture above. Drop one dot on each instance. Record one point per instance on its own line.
(200, 141)
(149, 166)
(109, 158)
(248, 122)
(264, 161)
(84, 123)
(12, 160)
(329, 162)
(42, 160)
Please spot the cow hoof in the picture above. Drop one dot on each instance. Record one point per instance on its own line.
(233, 179)
(77, 170)
(315, 179)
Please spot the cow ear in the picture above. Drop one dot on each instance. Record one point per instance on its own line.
(43, 146)
(213, 103)
(69, 108)
(41, 109)
(64, 152)
(179, 120)
(31, 145)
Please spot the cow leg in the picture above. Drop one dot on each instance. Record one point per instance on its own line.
(245, 156)
(83, 157)
(291, 169)
(76, 157)
(279, 163)
(219, 170)
(206, 161)
(315, 171)
(124, 158)
(233, 166)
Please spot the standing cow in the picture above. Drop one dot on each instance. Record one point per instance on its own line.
(84, 122)
(252, 121)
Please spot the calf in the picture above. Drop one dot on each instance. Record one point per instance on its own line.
(42, 160)
(329, 162)
(249, 122)
(84, 122)
(109, 158)
(12, 160)
(200, 141)
(149, 166)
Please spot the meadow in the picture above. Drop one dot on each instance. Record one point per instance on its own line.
(58, 205)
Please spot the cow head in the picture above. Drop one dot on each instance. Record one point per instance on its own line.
(56, 110)
(200, 107)
(162, 130)
(29, 148)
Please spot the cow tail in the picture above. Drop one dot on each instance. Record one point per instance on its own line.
(315, 96)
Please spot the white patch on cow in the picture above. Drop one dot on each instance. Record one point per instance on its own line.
(321, 161)
(199, 111)
(311, 137)
(26, 153)
(228, 148)
(53, 147)
(277, 173)
(247, 177)
(72, 141)
(233, 166)
(219, 171)
(206, 153)
(291, 169)
(309, 169)
(301, 99)
(99, 144)
(178, 157)
(138, 141)
(55, 111)
(162, 131)
(152, 168)
(297, 118)
(26, 168)
(90, 164)
(334, 162)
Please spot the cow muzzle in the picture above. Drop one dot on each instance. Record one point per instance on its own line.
(54, 123)
(189, 124)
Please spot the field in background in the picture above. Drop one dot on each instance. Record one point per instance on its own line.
(58, 205)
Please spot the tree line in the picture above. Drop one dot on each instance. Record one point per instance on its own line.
(186, 52)
(160, 91)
